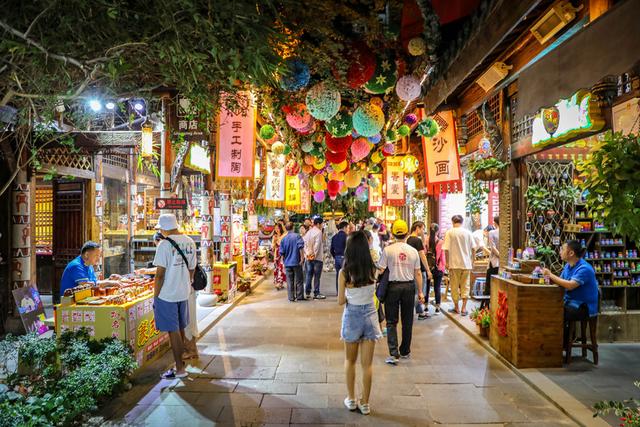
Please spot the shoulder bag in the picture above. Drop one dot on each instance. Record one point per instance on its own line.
(199, 276)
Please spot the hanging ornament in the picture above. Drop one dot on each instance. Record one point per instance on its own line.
(309, 160)
(336, 176)
(363, 196)
(417, 46)
(375, 168)
(411, 119)
(344, 190)
(319, 196)
(296, 75)
(340, 167)
(375, 138)
(377, 101)
(307, 146)
(362, 66)
(333, 187)
(428, 128)
(352, 179)
(384, 78)
(267, 132)
(377, 157)
(360, 149)
(338, 144)
(287, 149)
(307, 169)
(293, 167)
(392, 135)
(388, 149)
(315, 151)
(410, 164)
(408, 88)
(323, 102)
(335, 158)
(319, 163)
(368, 120)
(404, 130)
(319, 183)
(298, 117)
(277, 147)
(339, 125)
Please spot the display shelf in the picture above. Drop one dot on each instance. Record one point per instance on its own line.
(612, 313)
(620, 245)
(612, 259)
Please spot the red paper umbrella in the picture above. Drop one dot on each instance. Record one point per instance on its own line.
(338, 145)
(333, 187)
(335, 158)
(362, 67)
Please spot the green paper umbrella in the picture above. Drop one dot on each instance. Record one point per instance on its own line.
(384, 79)
(339, 125)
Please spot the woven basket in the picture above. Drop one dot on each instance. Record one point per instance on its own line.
(488, 174)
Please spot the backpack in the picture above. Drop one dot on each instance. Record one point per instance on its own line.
(199, 276)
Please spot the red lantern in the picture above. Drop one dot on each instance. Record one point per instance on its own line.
(362, 67)
(338, 145)
(335, 158)
(333, 187)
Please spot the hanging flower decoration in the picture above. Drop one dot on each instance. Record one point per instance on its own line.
(352, 179)
(319, 163)
(377, 101)
(391, 135)
(309, 160)
(293, 167)
(267, 132)
(360, 149)
(296, 76)
(408, 88)
(298, 117)
(411, 119)
(338, 144)
(335, 158)
(388, 149)
(417, 46)
(368, 120)
(404, 130)
(319, 183)
(277, 147)
(340, 167)
(428, 128)
(287, 149)
(319, 196)
(333, 187)
(384, 78)
(307, 146)
(336, 176)
(375, 138)
(339, 125)
(323, 102)
(362, 67)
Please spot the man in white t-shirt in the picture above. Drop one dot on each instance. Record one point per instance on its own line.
(172, 287)
(403, 262)
(459, 249)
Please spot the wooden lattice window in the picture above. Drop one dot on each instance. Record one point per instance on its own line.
(44, 220)
(117, 159)
(62, 156)
(474, 121)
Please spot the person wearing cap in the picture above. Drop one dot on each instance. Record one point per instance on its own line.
(405, 279)
(80, 270)
(459, 250)
(314, 253)
(172, 291)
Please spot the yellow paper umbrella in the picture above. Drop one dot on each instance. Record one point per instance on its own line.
(352, 179)
(340, 167)
(377, 157)
(319, 163)
(319, 183)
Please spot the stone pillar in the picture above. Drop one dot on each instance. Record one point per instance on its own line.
(21, 249)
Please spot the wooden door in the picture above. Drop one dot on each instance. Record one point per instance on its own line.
(68, 226)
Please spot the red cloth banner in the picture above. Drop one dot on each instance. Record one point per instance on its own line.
(441, 157)
(375, 194)
(236, 145)
(394, 182)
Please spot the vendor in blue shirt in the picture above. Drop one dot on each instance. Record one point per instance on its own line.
(579, 280)
(80, 269)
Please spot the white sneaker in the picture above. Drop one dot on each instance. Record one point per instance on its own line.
(391, 360)
(364, 408)
(351, 405)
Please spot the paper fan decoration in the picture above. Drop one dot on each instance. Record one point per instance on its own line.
(296, 76)
(323, 102)
(368, 120)
(339, 125)
(267, 132)
(428, 128)
(298, 117)
(384, 78)
(408, 88)
(338, 144)
(362, 66)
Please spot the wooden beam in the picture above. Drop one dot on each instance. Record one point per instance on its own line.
(597, 8)
(499, 24)
(67, 171)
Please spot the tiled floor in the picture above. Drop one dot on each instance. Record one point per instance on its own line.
(272, 362)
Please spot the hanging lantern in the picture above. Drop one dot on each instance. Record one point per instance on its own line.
(410, 164)
(267, 132)
(404, 130)
(428, 128)
(336, 176)
(352, 179)
(388, 149)
(319, 183)
(307, 169)
(309, 159)
(339, 125)
(296, 75)
(277, 147)
(360, 149)
(146, 148)
(344, 190)
(368, 120)
(323, 102)
(338, 144)
(299, 118)
(340, 167)
(375, 138)
(287, 149)
(362, 67)
(377, 157)
(319, 163)
(411, 119)
(392, 135)
(408, 88)
(319, 196)
(333, 187)
(307, 146)
(335, 157)
(384, 78)
(377, 101)
(417, 46)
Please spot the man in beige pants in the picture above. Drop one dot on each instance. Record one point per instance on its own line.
(459, 249)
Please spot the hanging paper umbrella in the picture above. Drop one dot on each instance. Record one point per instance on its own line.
(352, 179)
(408, 88)
(368, 120)
(323, 102)
(340, 167)
(338, 144)
(296, 75)
(362, 66)
(319, 196)
(335, 158)
(277, 147)
(360, 149)
(417, 46)
(333, 187)
(339, 125)
(410, 119)
(267, 132)
(428, 128)
(384, 78)
(404, 130)
(298, 117)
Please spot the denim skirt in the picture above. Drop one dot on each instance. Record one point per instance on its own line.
(360, 322)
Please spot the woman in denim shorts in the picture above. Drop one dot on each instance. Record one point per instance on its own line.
(360, 327)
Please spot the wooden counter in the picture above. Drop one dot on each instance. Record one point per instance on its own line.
(533, 323)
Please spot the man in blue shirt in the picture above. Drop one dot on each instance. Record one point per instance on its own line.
(338, 244)
(579, 280)
(292, 251)
(80, 269)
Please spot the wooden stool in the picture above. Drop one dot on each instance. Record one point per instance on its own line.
(592, 322)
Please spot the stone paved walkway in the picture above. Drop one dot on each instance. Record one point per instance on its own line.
(271, 362)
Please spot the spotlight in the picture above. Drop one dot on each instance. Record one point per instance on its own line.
(110, 105)
(138, 106)
(95, 105)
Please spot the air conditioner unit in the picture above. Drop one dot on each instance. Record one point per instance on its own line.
(493, 75)
(554, 20)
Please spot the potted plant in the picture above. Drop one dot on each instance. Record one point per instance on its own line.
(538, 199)
(627, 410)
(488, 169)
(482, 318)
(545, 254)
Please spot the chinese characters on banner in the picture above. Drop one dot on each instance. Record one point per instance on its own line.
(275, 182)
(394, 181)
(236, 141)
(494, 201)
(375, 194)
(292, 192)
(441, 157)
(305, 197)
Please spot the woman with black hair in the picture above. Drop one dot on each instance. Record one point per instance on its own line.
(360, 328)
(435, 258)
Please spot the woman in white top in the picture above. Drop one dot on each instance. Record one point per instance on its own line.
(360, 327)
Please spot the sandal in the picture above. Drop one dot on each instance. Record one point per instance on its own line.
(464, 313)
(453, 310)
(171, 374)
(189, 356)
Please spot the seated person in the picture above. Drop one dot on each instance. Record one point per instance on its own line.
(579, 280)
(80, 269)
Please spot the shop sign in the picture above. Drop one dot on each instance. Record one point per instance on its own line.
(171, 203)
(375, 193)
(236, 145)
(198, 159)
(566, 120)
(275, 182)
(31, 309)
(493, 201)
(292, 192)
(305, 196)
(394, 181)
(441, 157)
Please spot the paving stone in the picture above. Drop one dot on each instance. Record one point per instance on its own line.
(245, 416)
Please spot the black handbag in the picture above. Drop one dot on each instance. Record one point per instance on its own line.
(383, 285)
(199, 276)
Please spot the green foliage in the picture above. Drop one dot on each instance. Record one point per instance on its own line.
(628, 410)
(477, 196)
(485, 164)
(568, 194)
(64, 379)
(538, 198)
(610, 177)
(545, 254)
